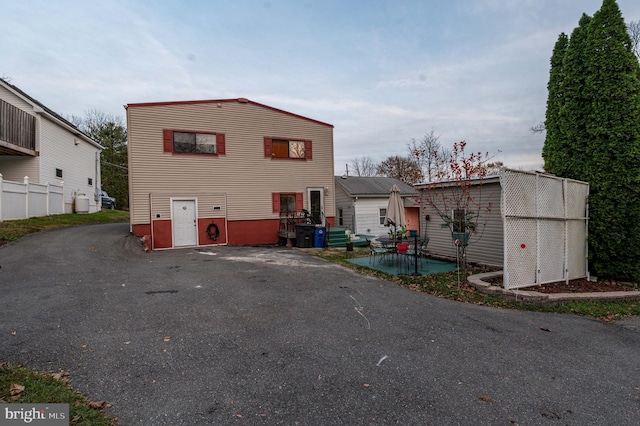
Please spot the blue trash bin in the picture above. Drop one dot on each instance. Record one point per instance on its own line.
(318, 237)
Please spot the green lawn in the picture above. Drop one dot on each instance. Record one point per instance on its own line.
(12, 230)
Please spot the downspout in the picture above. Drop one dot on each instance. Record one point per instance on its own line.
(98, 184)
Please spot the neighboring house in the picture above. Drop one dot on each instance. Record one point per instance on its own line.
(361, 203)
(224, 171)
(485, 247)
(38, 143)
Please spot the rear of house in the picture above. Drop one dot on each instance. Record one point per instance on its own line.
(224, 171)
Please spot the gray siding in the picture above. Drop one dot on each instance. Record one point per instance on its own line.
(486, 247)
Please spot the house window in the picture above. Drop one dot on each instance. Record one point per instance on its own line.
(194, 143)
(90, 182)
(383, 214)
(186, 142)
(287, 203)
(59, 173)
(286, 148)
(459, 222)
(340, 217)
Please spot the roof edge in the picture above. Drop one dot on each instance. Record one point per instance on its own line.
(220, 101)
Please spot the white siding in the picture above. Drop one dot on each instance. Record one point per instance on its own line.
(344, 202)
(368, 216)
(58, 150)
(16, 101)
(16, 167)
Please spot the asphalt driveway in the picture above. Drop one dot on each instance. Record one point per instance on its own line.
(270, 335)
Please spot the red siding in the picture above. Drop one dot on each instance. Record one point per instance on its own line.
(162, 235)
(244, 232)
(203, 238)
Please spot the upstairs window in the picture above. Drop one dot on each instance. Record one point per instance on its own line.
(286, 148)
(185, 142)
(194, 143)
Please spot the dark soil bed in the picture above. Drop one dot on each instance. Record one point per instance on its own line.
(575, 286)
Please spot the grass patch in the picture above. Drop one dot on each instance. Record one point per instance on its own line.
(21, 385)
(13, 230)
(446, 285)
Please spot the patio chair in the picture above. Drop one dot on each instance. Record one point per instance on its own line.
(376, 251)
(418, 252)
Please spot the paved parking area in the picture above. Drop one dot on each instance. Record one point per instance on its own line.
(271, 335)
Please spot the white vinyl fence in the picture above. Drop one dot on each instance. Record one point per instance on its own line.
(545, 228)
(25, 200)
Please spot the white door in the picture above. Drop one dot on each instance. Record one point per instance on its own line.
(316, 204)
(184, 223)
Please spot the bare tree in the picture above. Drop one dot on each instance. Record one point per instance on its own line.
(538, 128)
(456, 195)
(633, 28)
(424, 152)
(403, 168)
(364, 166)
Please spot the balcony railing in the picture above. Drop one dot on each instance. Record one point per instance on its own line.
(17, 127)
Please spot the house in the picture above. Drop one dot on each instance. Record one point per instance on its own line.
(229, 171)
(37, 143)
(361, 203)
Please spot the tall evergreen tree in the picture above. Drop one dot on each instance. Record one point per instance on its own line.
(613, 145)
(593, 125)
(553, 139)
(572, 159)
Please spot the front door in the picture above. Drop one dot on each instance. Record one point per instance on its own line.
(316, 207)
(185, 231)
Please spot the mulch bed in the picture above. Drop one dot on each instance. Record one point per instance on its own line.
(575, 286)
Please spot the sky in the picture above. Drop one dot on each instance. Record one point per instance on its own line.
(381, 72)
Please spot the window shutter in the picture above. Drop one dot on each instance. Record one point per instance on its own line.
(220, 144)
(167, 139)
(275, 202)
(267, 147)
(299, 206)
(307, 150)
